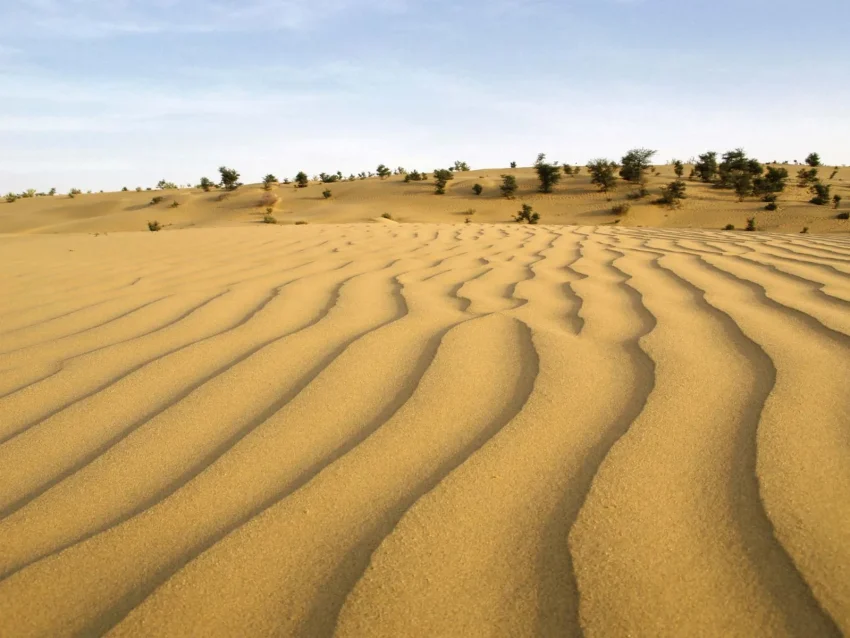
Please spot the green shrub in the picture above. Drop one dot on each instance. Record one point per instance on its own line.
(268, 218)
(527, 214)
(386, 216)
(154, 226)
(678, 168)
(478, 189)
(206, 184)
(75, 191)
(513, 164)
(461, 167)
(138, 189)
(635, 163)
(229, 178)
(300, 222)
(383, 171)
(673, 194)
(706, 167)
(164, 185)
(621, 209)
(729, 227)
(124, 189)
(844, 215)
(821, 194)
(174, 204)
(327, 193)
(813, 159)
(548, 174)
(806, 177)
(441, 178)
(52, 192)
(269, 181)
(772, 206)
(509, 186)
(301, 180)
(836, 201)
(603, 174)
(751, 223)
(11, 197)
(156, 200)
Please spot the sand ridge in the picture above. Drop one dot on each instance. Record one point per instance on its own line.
(424, 429)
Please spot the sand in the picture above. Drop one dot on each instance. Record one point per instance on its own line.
(384, 429)
(574, 201)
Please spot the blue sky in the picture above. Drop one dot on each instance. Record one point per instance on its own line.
(98, 94)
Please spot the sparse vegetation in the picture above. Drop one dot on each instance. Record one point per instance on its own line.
(229, 178)
(163, 185)
(478, 189)
(154, 226)
(635, 164)
(327, 193)
(206, 184)
(301, 180)
(269, 181)
(621, 209)
(548, 174)
(509, 186)
(729, 227)
(513, 164)
(300, 222)
(415, 176)
(603, 174)
(383, 171)
(386, 216)
(156, 200)
(805, 230)
(821, 194)
(673, 194)
(527, 214)
(813, 159)
(772, 182)
(74, 191)
(441, 178)
(11, 198)
(751, 223)
(124, 189)
(806, 177)
(460, 167)
(706, 168)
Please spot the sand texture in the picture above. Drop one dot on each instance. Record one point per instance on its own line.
(413, 429)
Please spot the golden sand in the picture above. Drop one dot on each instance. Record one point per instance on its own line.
(422, 430)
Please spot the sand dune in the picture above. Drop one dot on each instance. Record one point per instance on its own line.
(424, 429)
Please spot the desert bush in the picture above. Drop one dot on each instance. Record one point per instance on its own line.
(327, 193)
(138, 189)
(11, 197)
(156, 200)
(414, 176)
(328, 179)
(621, 209)
(51, 192)
(742, 182)
(836, 201)
(269, 181)
(813, 159)
(28, 194)
(268, 218)
(678, 168)
(75, 191)
(548, 174)
(386, 216)
(773, 181)
(673, 194)
(844, 215)
(576, 170)
(467, 220)
(267, 200)
(729, 227)
(527, 214)
(806, 177)
(124, 189)
(706, 167)
(229, 178)
(805, 230)
(300, 222)
(461, 167)
(441, 178)
(174, 204)
(751, 223)
(206, 184)
(163, 185)
(478, 189)
(301, 180)
(833, 174)
(383, 171)
(154, 226)
(821, 194)
(603, 174)
(734, 167)
(771, 206)
(509, 186)
(635, 163)
(568, 170)
(513, 164)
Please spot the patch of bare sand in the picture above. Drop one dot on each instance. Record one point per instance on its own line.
(403, 429)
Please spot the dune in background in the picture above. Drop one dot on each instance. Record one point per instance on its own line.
(421, 429)
(575, 201)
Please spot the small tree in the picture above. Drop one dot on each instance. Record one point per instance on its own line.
(513, 164)
(548, 174)
(11, 198)
(678, 168)
(206, 184)
(154, 226)
(327, 193)
(706, 167)
(124, 189)
(383, 171)
(742, 182)
(635, 163)
(734, 163)
(527, 214)
(813, 159)
(836, 201)
(269, 181)
(603, 174)
(673, 194)
(163, 185)
(821, 194)
(478, 189)
(751, 224)
(568, 170)
(806, 177)
(773, 181)
(301, 180)
(229, 178)
(441, 178)
(461, 167)
(509, 186)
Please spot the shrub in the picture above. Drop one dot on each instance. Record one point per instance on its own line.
(513, 164)
(206, 184)
(742, 182)
(734, 165)
(751, 223)
(836, 201)
(729, 227)
(327, 193)
(29, 193)
(678, 168)
(470, 211)
(509, 186)
(805, 230)
(621, 209)
(383, 171)
(414, 176)
(269, 181)
(328, 179)
(461, 167)
(138, 189)
(75, 191)
(229, 178)
(52, 192)
(300, 222)
(174, 204)
(527, 214)
(833, 174)
(844, 215)
(11, 197)
(568, 170)
(466, 220)
(813, 159)
(442, 177)
(772, 182)
(603, 174)
(156, 200)
(635, 163)
(154, 226)
(821, 194)
(806, 177)
(673, 194)
(268, 218)
(576, 170)
(163, 185)
(548, 174)
(772, 206)
(706, 167)
(478, 189)
(386, 216)
(124, 189)
(301, 180)
(268, 199)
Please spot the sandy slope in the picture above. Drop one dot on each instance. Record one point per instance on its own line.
(574, 201)
(413, 429)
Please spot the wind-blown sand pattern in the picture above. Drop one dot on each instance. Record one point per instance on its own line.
(425, 430)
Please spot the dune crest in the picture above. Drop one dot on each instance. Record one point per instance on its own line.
(412, 429)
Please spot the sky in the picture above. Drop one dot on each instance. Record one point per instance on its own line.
(100, 94)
